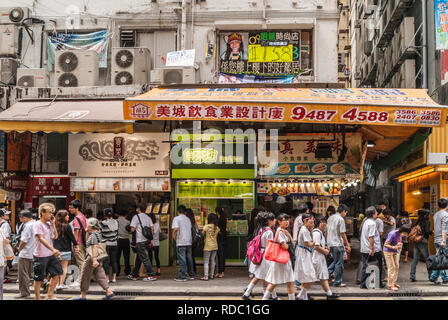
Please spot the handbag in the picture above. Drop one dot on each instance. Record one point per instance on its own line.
(275, 252)
(102, 252)
(416, 234)
(437, 262)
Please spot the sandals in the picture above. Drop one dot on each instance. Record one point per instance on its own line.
(393, 288)
(397, 286)
(219, 275)
(204, 278)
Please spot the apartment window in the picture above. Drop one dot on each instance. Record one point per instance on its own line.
(57, 147)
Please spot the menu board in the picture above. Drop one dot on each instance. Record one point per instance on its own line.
(165, 208)
(148, 208)
(78, 184)
(156, 208)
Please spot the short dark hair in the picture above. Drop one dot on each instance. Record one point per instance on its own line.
(310, 205)
(76, 204)
(142, 207)
(307, 216)
(181, 209)
(382, 203)
(378, 209)
(122, 213)
(108, 212)
(404, 214)
(319, 220)
(283, 216)
(387, 212)
(442, 203)
(153, 217)
(343, 207)
(404, 228)
(26, 214)
(302, 208)
(370, 211)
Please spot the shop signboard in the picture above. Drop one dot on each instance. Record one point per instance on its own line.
(15, 183)
(119, 184)
(441, 21)
(284, 52)
(215, 189)
(297, 158)
(391, 107)
(124, 155)
(54, 186)
(299, 189)
(413, 161)
(19, 151)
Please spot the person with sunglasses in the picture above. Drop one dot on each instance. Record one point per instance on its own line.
(280, 273)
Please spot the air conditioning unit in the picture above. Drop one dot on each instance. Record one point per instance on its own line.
(130, 66)
(156, 76)
(9, 40)
(8, 70)
(32, 78)
(13, 14)
(76, 68)
(178, 75)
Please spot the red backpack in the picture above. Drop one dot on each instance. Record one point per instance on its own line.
(254, 253)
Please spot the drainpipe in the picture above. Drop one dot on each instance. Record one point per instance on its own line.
(184, 25)
(425, 45)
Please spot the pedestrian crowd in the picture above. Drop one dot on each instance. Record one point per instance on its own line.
(298, 250)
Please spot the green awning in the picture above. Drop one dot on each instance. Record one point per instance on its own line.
(401, 151)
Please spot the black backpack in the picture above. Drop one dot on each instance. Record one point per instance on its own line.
(83, 232)
(196, 236)
(146, 231)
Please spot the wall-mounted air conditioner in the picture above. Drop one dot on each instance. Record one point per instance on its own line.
(33, 77)
(9, 40)
(76, 68)
(13, 14)
(179, 75)
(130, 66)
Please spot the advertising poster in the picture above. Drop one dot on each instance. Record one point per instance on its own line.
(441, 19)
(123, 155)
(265, 52)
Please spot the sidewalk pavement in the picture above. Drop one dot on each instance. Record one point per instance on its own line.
(237, 278)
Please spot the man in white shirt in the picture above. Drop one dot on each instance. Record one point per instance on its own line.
(370, 245)
(26, 249)
(4, 224)
(140, 220)
(336, 238)
(182, 235)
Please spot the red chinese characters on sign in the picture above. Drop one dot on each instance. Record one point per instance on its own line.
(53, 186)
(118, 147)
(287, 148)
(163, 111)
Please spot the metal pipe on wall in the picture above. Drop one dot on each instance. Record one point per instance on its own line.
(425, 45)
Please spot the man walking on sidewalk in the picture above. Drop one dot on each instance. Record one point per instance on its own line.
(79, 231)
(26, 249)
(370, 245)
(140, 221)
(440, 232)
(336, 239)
(182, 235)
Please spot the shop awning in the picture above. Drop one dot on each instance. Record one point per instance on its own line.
(383, 107)
(66, 116)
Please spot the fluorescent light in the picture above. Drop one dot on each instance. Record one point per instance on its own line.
(371, 144)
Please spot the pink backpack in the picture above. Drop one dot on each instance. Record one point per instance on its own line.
(254, 253)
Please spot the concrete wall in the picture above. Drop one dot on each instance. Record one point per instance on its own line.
(194, 24)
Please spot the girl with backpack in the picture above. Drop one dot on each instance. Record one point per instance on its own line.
(280, 273)
(421, 248)
(264, 221)
(210, 231)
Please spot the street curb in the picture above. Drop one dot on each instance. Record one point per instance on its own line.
(142, 293)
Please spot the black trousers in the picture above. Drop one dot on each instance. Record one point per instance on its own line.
(221, 257)
(112, 251)
(124, 248)
(365, 257)
(155, 252)
(143, 254)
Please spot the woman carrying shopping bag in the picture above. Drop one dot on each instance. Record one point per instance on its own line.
(278, 272)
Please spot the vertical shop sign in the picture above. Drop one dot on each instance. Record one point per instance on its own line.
(441, 21)
(2, 150)
(433, 198)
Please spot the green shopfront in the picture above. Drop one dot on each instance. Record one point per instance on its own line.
(204, 184)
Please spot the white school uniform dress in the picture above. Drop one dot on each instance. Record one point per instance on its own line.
(280, 273)
(260, 270)
(304, 269)
(319, 260)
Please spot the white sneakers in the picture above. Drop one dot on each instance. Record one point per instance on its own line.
(75, 284)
